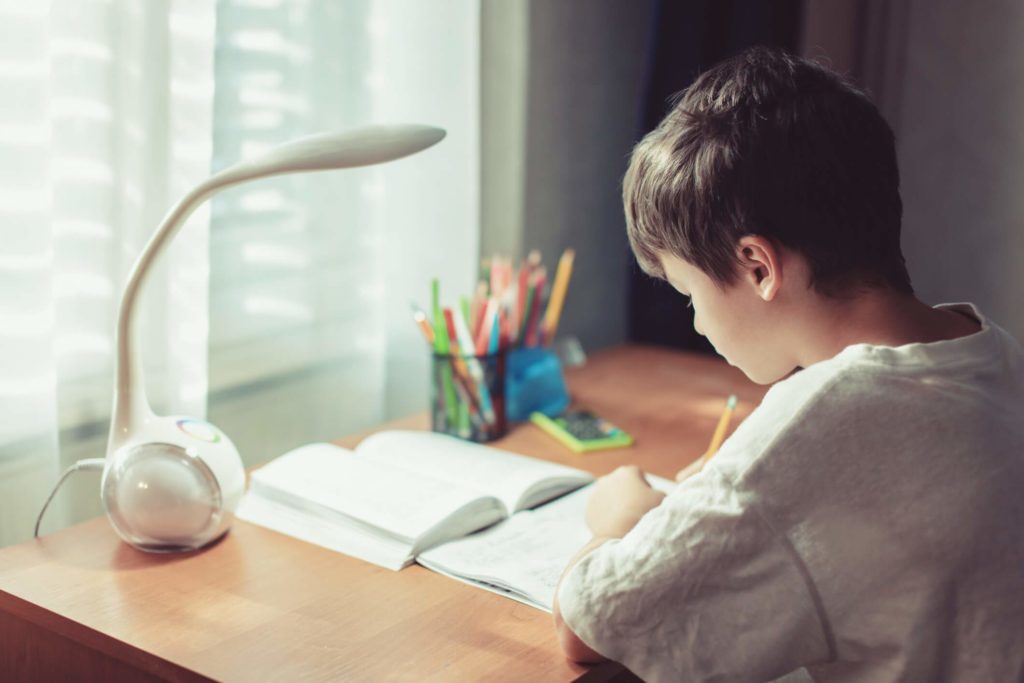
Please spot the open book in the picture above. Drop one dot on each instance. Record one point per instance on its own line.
(493, 519)
(399, 493)
(523, 557)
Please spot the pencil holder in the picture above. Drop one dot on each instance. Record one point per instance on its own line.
(467, 395)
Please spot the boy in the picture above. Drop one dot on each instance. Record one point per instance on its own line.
(866, 521)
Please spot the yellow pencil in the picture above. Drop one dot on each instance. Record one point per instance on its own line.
(554, 310)
(719, 436)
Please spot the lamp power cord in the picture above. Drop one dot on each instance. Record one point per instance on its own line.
(93, 464)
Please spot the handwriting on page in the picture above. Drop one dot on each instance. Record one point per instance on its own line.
(528, 551)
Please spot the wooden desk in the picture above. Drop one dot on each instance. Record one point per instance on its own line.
(80, 604)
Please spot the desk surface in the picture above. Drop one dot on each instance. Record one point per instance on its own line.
(260, 605)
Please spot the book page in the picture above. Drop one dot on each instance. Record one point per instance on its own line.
(524, 556)
(507, 476)
(349, 539)
(324, 478)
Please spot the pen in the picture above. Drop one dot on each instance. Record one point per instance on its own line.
(719, 435)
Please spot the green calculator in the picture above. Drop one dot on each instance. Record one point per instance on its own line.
(581, 431)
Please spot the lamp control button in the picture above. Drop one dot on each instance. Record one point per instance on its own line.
(197, 429)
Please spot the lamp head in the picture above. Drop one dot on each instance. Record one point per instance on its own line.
(172, 483)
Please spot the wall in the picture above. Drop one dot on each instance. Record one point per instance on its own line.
(949, 77)
(961, 147)
(558, 185)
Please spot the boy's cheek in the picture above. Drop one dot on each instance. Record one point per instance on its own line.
(766, 373)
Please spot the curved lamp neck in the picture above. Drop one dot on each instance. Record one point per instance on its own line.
(346, 149)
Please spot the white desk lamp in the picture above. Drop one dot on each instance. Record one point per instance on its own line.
(172, 483)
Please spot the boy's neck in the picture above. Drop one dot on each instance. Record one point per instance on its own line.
(881, 318)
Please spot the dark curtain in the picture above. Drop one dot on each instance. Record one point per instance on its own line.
(687, 37)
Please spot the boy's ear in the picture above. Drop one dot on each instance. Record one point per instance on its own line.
(760, 265)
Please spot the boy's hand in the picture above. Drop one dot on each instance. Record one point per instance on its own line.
(690, 470)
(619, 500)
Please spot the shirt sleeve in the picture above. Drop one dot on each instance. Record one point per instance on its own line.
(703, 588)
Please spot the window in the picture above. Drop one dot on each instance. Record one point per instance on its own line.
(288, 318)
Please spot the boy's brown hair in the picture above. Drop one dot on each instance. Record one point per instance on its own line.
(774, 145)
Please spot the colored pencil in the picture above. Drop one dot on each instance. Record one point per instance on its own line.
(557, 299)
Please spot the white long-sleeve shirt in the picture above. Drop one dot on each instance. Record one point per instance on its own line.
(865, 523)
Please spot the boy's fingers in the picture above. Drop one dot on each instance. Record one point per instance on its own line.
(621, 472)
(632, 472)
(688, 471)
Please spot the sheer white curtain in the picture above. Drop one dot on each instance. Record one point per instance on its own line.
(311, 335)
(105, 119)
(289, 318)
